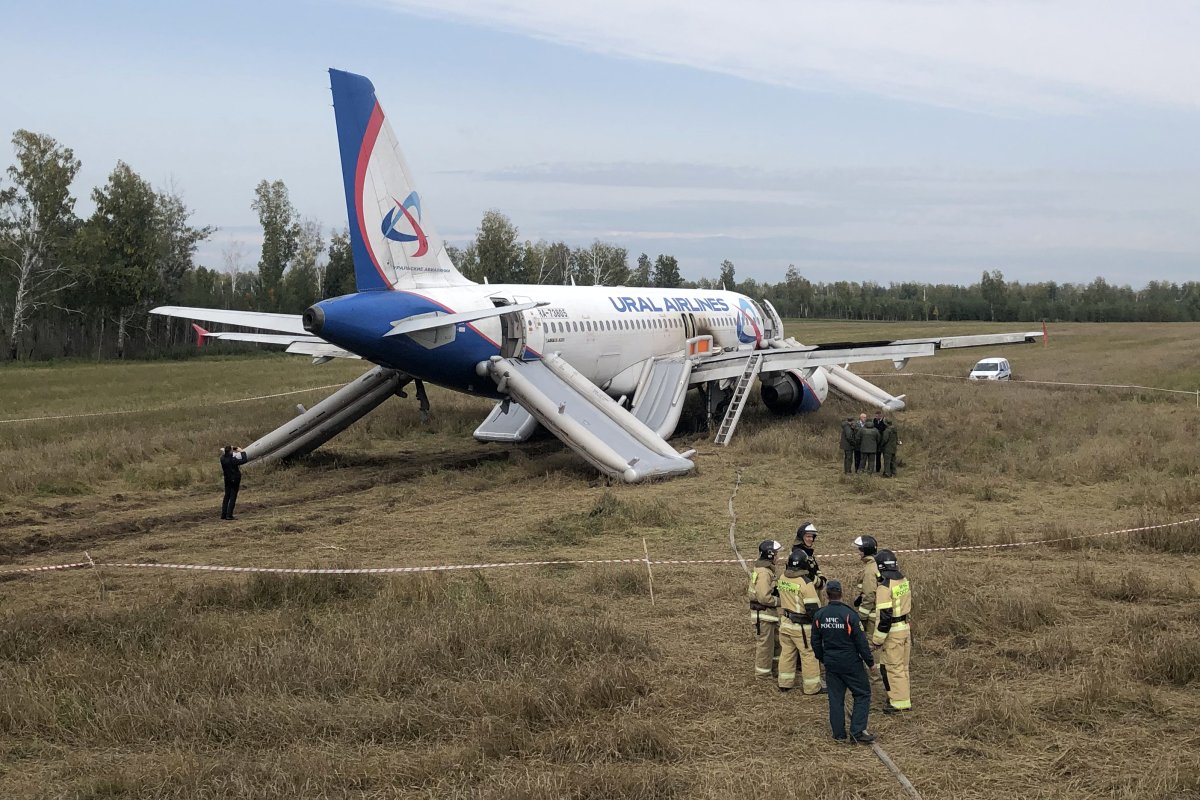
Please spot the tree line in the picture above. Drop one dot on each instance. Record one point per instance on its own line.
(73, 287)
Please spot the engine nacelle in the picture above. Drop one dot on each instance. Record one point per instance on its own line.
(794, 391)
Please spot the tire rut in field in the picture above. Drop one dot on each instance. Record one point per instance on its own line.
(71, 538)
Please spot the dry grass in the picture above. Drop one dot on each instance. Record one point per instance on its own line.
(1066, 671)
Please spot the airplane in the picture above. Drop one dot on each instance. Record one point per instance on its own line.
(603, 368)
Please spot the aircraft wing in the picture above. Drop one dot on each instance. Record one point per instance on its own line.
(284, 323)
(976, 340)
(730, 365)
(790, 354)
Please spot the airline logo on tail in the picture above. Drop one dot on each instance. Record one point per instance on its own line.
(403, 212)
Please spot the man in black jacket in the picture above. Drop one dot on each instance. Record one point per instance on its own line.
(881, 425)
(838, 642)
(232, 459)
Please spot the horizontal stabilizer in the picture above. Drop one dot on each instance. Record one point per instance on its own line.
(426, 322)
(259, 338)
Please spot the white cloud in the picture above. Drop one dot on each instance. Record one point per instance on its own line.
(1004, 57)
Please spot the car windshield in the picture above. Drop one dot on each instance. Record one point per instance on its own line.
(987, 366)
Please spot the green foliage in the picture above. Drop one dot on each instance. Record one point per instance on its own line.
(642, 275)
(666, 272)
(495, 254)
(302, 281)
(339, 272)
(726, 279)
(281, 239)
(119, 250)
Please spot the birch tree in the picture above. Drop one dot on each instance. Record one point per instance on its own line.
(37, 222)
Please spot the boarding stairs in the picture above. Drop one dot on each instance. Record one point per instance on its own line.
(586, 419)
(737, 403)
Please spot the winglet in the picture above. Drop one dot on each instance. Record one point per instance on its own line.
(201, 335)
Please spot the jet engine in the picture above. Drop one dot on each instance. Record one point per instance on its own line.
(794, 391)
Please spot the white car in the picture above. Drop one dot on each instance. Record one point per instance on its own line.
(991, 369)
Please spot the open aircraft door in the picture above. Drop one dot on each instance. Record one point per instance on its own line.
(512, 327)
(689, 324)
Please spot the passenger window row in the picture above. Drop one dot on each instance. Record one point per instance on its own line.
(588, 326)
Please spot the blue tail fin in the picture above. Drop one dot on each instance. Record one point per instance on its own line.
(393, 243)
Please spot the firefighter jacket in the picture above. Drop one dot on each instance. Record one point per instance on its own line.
(893, 604)
(889, 440)
(868, 438)
(798, 599)
(812, 568)
(838, 640)
(762, 593)
(867, 586)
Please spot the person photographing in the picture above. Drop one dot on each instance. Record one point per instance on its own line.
(232, 459)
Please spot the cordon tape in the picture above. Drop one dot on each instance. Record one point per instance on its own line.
(563, 562)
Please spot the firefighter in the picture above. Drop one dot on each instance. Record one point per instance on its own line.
(867, 584)
(798, 601)
(806, 538)
(839, 644)
(764, 607)
(893, 604)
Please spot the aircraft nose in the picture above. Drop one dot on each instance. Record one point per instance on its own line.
(314, 320)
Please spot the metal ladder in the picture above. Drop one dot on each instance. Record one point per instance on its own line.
(741, 393)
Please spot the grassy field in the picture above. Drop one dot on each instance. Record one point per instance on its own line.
(1065, 671)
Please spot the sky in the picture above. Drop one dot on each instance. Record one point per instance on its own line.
(881, 140)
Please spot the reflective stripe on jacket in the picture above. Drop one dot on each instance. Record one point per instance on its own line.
(893, 600)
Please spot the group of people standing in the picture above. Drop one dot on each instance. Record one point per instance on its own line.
(869, 445)
(800, 620)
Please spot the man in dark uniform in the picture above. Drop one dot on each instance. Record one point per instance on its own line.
(838, 642)
(232, 459)
(888, 444)
(881, 425)
(858, 427)
(849, 444)
(868, 445)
